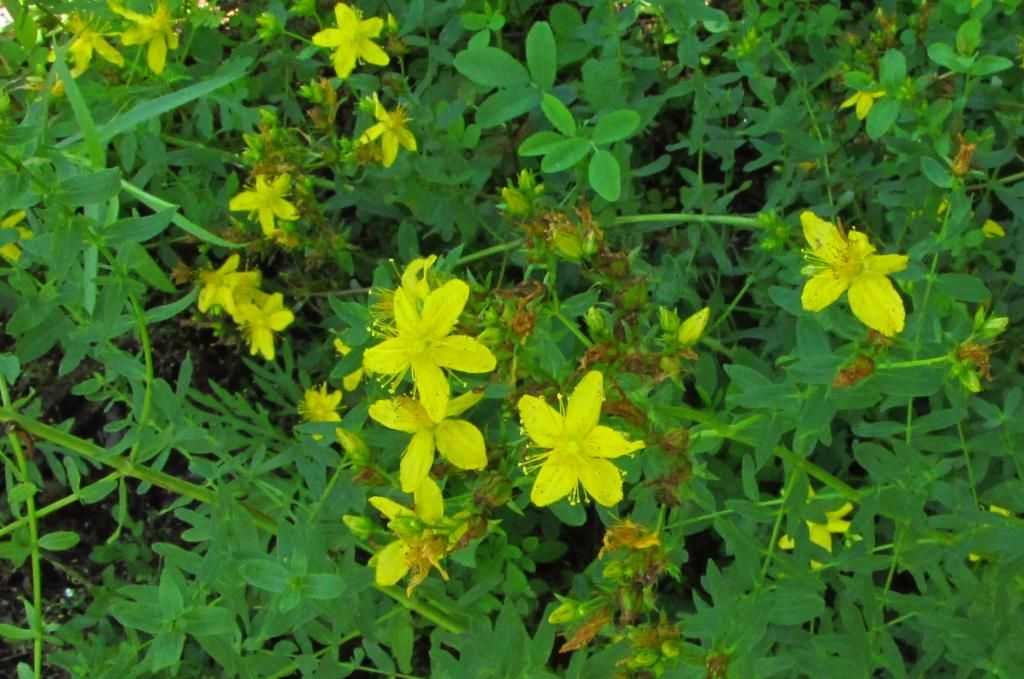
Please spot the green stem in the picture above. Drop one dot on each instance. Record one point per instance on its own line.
(574, 329)
(913, 364)
(56, 506)
(668, 219)
(487, 252)
(33, 534)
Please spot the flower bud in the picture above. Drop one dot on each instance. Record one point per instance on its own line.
(992, 229)
(269, 26)
(353, 446)
(596, 323)
(360, 526)
(668, 319)
(693, 327)
(635, 296)
(566, 612)
(568, 244)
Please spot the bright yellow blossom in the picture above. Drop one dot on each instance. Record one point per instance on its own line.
(993, 229)
(821, 533)
(421, 340)
(693, 327)
(847, 262)
(268, 200)
(352, 380)
(417, 547)
(221, 287)
(10, 251)
(392, 131)
(580, 448)
(87, 40)
(320, 405)
(353, 40)
(863, 101)
(156, 30)
(459, 441)
(261, 322)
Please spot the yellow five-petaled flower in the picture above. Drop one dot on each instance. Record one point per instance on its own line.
(847, 263)
(260, 319)
(821, 533)
(87, 40)
(391, 129)
(221, 286)
(863, 101)
(268, 201)
(459, 441)
(352, 40)
(156, 30)
(421, 340)
(580, 448)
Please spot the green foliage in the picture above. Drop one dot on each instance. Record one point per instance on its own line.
(197, 484)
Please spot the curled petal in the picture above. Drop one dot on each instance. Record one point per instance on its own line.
(821, 290)
(876, 303)
(462, 444)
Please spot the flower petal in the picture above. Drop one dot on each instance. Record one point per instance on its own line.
(432, 386)
(156, 55)
(822, 237)
(820, 536)
(461, 404)
(606, 442)
(429, 501)
(821, 290)
(389, 145)
(442, 308)
(885, 264)
(246, 200)
(390, 564)
(371, 53)
(462, 353)
(557, 478)
(390, 357)
(584, 409)
(329, 37)
(417, 459)
(400, 414)
(543, 424)
(462, 444)
(602, 480)
(876, 303)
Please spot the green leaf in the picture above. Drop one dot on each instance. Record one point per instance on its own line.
(936, 172)
(988, 64)
(892, 70)
(565, 154)
(136, 258)
(151, 108)
(59, 540)
(10, 367)
(138, 229)
(21, 492)
(558, 115)
(541, 55)
(324, 586)
(179, 220)
(968, 36)
(491, 67)
(209, 622)
(91, 188)
(615, 126)
(504, 105)
(604, 175)
(171, 309)
(15, 633)
(883, 115)
(540, 143)
(165, 650)
(943, 55)
(796, 604)
(264, 574)
(963, 287)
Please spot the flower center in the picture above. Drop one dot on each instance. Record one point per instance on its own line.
(572, 448)
(419, 346)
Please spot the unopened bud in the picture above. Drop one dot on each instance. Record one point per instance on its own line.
(668, 319)
(353, 446)
(563, 614)
(693, 327)
(360, 526)
(595, 321)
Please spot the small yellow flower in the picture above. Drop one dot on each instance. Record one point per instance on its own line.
(580, 448)
(863, 101)
(261, 322)
(417, 548)
(992, 229)
(10, 251)
(320, 405)
(693, 327)
(353, 40)
(392, 131)
(156, 30)
(221, 287)
(352, 380)
(821, 533)
(87, 40)
(421, 340)
(847, 262)
(268, 200)
(459, 441)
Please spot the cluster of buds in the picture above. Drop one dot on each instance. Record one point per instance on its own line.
(522, 198)
(972, 360)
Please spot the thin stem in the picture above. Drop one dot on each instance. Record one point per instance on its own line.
(56, 506)
(574, 329)
(669, 219)
(913, 364)
(487, 252)
(33, 533)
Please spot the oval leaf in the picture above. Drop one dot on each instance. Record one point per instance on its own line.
(565, 154)
(558, 115)
(615, 126)
(59, 540)
(540, 143)
(541, 55)
(491, 67)
(504, 105)
(604, 176)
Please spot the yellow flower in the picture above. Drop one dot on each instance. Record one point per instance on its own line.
(418, 548)
(352, 380)
(353, 39)
(421, 340)
(581, 448)
(821, 533)
(841, 262)
(992, 229)
(261, 322)
(86, 41)
(693, 327)
(10, 251)
(220, 287)
(319, 405)
(391, 130)
(268, 200)
(863, 101)
(157, 30)
(459, 441)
